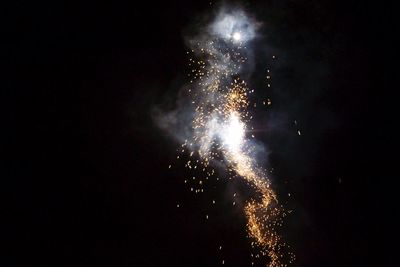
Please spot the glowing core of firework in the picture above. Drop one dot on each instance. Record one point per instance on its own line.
(233, 133)
(237, 36)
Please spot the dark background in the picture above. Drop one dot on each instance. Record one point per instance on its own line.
(85, 178)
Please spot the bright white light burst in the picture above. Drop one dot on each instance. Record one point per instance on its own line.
(237, 36)
(233, 133)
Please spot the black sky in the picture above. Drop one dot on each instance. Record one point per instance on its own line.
(85, 179)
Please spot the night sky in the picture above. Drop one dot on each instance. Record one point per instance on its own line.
(85, 178)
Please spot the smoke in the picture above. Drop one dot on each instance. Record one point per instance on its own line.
(234, 25)
(229, 28)
(176, 122)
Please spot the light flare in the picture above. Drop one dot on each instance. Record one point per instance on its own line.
(237, 36)
(233, 133)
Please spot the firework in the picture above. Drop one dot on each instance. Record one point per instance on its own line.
(220, 126)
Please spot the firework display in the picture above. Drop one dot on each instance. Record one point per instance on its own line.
(221, 131)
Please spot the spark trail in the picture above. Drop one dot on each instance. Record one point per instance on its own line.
(220, 126)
